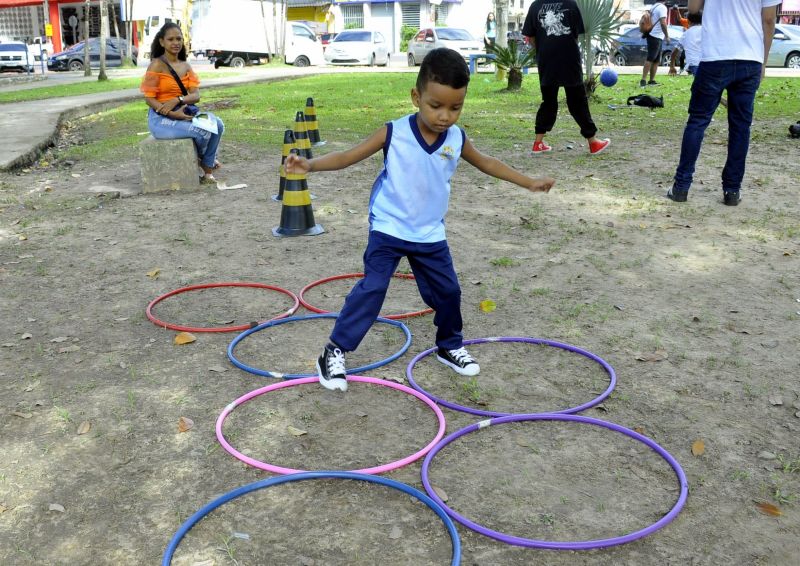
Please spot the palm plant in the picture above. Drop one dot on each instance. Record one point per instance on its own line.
(512, 59)
(600, 22)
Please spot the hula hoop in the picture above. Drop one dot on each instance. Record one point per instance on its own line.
(209, 507)
(560, 545)
(237, 328)
(569, 347)
(276, 322)
(351, 378)
(312, 308)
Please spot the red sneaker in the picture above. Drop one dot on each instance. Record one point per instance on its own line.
(541, 147)
(599, 145)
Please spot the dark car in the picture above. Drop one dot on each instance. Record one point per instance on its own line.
(72, 58)
(630, 48)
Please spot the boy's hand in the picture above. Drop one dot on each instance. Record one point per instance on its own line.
(296, 164)
(540, 184)
(672, 70)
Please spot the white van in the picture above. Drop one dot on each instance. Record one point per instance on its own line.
(302, 48)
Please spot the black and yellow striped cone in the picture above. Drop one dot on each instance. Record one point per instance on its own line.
(301, 136)
(312, 124)
(297, 214)
(288, 145)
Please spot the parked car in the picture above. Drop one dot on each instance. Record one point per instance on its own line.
(15, 55)
(358, 47)
(785, 50)
(326, 38)
(72, 58)
(428, 39)
(630, 48)
(519, 39)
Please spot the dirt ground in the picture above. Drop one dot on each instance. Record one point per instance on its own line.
(696, 306)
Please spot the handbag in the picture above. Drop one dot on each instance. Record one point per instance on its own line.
(188, 109)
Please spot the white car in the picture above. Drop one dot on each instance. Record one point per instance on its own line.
(428, 39)
(358, 47)
(15, 55)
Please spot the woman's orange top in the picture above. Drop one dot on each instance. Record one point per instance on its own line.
(162, 86)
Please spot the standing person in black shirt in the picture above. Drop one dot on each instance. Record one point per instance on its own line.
(554, 27)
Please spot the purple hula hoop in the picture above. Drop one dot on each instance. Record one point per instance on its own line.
(456, 407)
(559, 545)
(351, 378)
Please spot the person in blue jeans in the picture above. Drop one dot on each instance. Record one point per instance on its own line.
(407, 207)
(167, 119)
(736, 39)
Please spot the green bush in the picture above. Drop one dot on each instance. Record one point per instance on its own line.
(406, 34)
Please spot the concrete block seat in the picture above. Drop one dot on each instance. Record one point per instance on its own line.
(168, 164)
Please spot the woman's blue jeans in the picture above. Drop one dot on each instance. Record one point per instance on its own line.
(741, 79)
(205, 142)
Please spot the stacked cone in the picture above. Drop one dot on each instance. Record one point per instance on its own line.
(288, 145)
(312, 125)
(297, 214)
(301, 136)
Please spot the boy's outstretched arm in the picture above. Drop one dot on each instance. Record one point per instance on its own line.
(496, 168)
(337, 159)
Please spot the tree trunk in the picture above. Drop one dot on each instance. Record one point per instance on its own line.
(129, 31)
(103, 35)
(113, 15)
(501, 17)
(87, 61)
(514, 79)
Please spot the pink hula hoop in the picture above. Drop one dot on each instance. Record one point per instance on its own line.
(358, 378)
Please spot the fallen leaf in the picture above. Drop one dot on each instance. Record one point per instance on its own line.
(185, 424)
(57, 507)
(440, 492)
(154, 273)
(395, 533)
(22, 415)
(698, 447)
(3, 508)
(769, 509)
(84, 427)
(217, 369)
(296, 431)
(22, 237)
(776, 400)
(59, 339)
(184, 338)
(488, 305)
(26, 336)
(657, 356)
(68, 349)
(639, 429)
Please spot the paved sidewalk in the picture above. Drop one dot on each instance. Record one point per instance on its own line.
(28, 128)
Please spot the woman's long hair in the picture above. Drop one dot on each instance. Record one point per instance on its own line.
(488, 20)
(157, 50)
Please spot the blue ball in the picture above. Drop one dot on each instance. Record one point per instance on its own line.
(608, 77)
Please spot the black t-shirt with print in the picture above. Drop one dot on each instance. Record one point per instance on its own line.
(555, 26)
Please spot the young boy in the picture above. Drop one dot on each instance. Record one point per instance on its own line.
(689, 44)
(407, 206)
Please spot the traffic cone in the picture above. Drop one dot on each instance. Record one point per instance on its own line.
(312, 125)
(288, 145)
(297, 215)
(301, 135)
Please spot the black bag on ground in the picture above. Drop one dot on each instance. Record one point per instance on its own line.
(794, 130)
(646, 100)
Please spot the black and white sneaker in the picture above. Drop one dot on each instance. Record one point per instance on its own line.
(460, 360)
(331, 369)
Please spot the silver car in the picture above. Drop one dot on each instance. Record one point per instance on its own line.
(15, 55)
(428, 39)
(358, 47)
(785, 50)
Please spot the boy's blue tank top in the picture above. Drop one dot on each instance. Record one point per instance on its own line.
(410, 196)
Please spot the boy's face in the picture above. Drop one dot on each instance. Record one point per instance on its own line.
(439, 106)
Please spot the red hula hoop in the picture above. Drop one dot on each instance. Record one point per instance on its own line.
(237, 328)
(312, 308)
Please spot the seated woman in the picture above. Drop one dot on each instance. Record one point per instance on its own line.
(166, 118)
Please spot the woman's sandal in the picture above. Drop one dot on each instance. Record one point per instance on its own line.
(207, 179)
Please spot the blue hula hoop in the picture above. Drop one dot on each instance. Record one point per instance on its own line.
(245, 489)
(275, 374)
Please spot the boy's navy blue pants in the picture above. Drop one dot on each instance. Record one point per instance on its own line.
(436, 280)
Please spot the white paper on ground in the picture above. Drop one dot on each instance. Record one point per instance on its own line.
(223, 187)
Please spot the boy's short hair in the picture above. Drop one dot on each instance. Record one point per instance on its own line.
(695, 17)
(444, 66)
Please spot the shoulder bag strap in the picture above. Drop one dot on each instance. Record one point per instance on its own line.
(175, 76)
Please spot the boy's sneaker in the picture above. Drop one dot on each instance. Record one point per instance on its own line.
(731, 198)
(331, 369)
(642, 83)
(597, 146)
(540, 147)
(652, 83)
(460, 360)
(676, 195)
